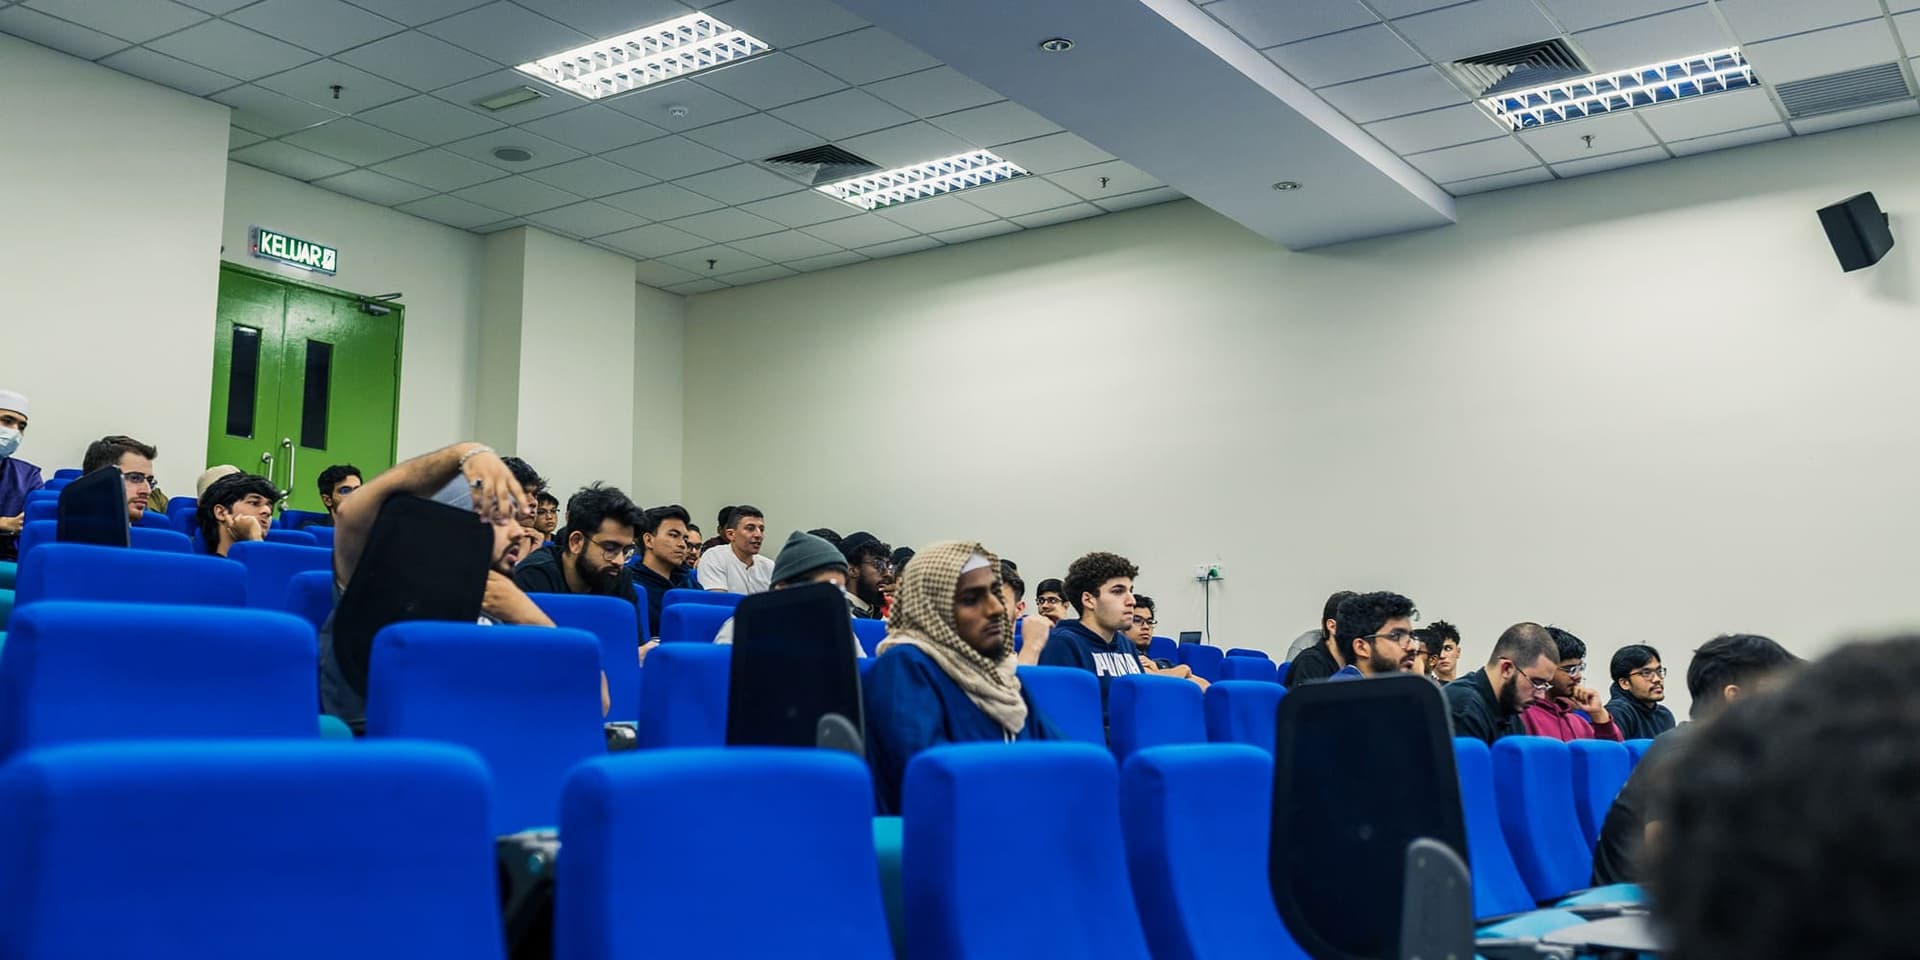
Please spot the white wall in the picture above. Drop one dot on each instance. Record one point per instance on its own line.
(1646, 406)
(110, 199)
(576, 363)
(659, 350)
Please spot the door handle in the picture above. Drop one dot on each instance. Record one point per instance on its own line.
(293, 454)
(266, 457)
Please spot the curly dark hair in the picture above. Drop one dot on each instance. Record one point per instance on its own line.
(1442, 631)
(1570, 646)
(225, 492)
(1363, 614)
(1089, 573)
(524, 474)
(1787, 837)
(1733, 658)
(595, 504)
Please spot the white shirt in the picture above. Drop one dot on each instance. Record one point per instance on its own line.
(720, 570)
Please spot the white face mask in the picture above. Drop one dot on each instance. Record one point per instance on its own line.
(9, 442)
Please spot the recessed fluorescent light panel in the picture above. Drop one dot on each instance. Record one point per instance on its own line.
(918, 181)
(1589, 96)
(632, 61)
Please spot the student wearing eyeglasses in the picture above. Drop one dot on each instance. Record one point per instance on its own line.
(1486, 703)
(1639, 684)
(1375, 631)
(135, 460)
(1570, 711)
(591, 553)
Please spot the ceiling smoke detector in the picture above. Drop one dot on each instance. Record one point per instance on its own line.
(1287, 185)
(512, 154)
(1056, 45)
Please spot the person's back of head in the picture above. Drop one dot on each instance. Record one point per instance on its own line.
(1568, 646)
(1728, 666)
(1788, 836)
(828, 534)
(1330, 611)
(1525, 644)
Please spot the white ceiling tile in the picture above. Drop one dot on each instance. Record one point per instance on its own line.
(452, 211)
(722, 226)
(1854, 118)
(702, 285)
(1565, 141)
(517, 195)
(758, 275)
(1666, 36)
(235, 51)
(500, 226)
(1823, 51)
(1612, 161)
(933, 92)
(1444, 127)
(591, 177)
(1723, 141)
(1120, 176)
(605, 18)
(419, 61)
(1898, 6)
(742, 183)
(237, 138)
(865, 56)
(1144, 198)
(828, 261)
(160, 68)
(908, 143)
(595, 128)
(1478, 27)
(1409, 91)
(663, 201)
(652, 240)
(801, 209)
(468, 93)
(979, 231)
(1908, 26)
(703, 106)
(725, 260)
(669, 158)
(545, 152)
(1757, 20)
(314, 83)
(1586, 14)
(374, 188)
(324, 26)
(268, 113)
(1264, 23)
(995, 124)
(216, 7)
(1716, 113)
(290, 161)
(895, 248)
(1016, 197)
(754, 137)
(653, 273)
(1473, 160)
(770, 81)
(787, 23)
(936, 213)
(1052, 153)
(410, 11)
(506, 32)
(1047, 218)
(440, 170)
(1499, 181)
(133, 22)
(845, 114)
(1348, 55)
(859, 231)
(360, 144)
(785, 246)
(57, 34)
(1402, 8)
(429, 119)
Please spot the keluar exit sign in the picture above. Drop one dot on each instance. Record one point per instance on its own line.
(271, 245)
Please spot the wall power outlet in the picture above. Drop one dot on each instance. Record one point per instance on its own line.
(1209, 572)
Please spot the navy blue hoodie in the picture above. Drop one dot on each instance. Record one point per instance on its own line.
(912, 704)
(1072, 644)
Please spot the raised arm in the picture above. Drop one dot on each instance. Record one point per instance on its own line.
(496, 495)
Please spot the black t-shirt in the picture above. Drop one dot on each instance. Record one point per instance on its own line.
(657, 587)
(1616, 858)
(1313, 664)
(542, 572)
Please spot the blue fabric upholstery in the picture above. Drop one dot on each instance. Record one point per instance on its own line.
(75, 672)
(158, 540)
(1249, 668)
(714, 598)
(1151, 711)
(78, 571)
(298, 538)
(297, 519)
(1533, 781)
(47, 508)
(527, 699)
(1203, 660)
(58, 484)
(1618, 893)
(322, 536)
(616, 624)
(692, 622)
(663, 848)
(334, 728)
(48, 492)
(271, 566)
(9, 571)
(1243, 711)
(1600, 769)
(1637, 749)
(1070, 697)
(1531, 926)
(1285, 668)
(176, 504)
(1248, 652)
(1200, 879)
(154, 520)
(1164, 648)
(317, 851)
(683, 696)
(183, 519)
(310, 596)
(1497, 886)
(869, 632)
(68, 473)
(1064, 846)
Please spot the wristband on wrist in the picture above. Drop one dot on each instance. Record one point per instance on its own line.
(462, 465)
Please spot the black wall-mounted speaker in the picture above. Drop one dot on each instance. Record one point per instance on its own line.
(1858, 231)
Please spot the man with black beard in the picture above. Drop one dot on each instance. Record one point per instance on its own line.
(1486, 703)
(592, 551)
(868, 564)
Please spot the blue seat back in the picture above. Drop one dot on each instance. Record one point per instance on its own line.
(406, 822)
(68, 473)
(158, 540)
(1285, 669)
(297, 519)
(177, 504)
(683, 696)
(79, 571)
(1250, 668)
(1063, 843)
(58, 483)
(615, 623)
(271, 566)
(1164, 648)
(1070, 699)
(298, 538)
(310, 596)
(322, 536)
(1151, 711)
(715, 598)
(154, 520)
(1248, 652)
(663, 847)
(46, 492)
(526, 699)
(1497, 886)
(870, 633)
(33, 534)
(692, 622)
(1200, 879)
(1533, 783)
(1600, 769)
(1203, 660)
(1243, 711)
(183, 519)
(47, 508)
(79, 671)
(1637, 749)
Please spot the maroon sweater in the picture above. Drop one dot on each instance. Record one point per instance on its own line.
(1557, 718)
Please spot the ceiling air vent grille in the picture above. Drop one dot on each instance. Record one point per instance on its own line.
(1516, 68)
(1846, 90)
(817, 165)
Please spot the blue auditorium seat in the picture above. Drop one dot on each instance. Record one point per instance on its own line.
(671, 853)
(183, 519)
(68, 473)
(526, 699)
(1249, 668)
(1533, 784)
(1285, 669)
(33, 534)
(1600, 769)
(58, 484)
(48, 492)
(1200, 881)
(1063, 847)
(1248, 652)
(1070, 697)
(692, 622)
(714, 598)
(1163, 648)
(683, 696)
(322, 536)
(78, 571)
(1203, 660)
(297, 519)
(1637, 749)
(1151, 711)
(615, 623)
(1497, 886)
(271, 566)
(1243, 711)
(159, 541)
(76, 671)
(307, 851)
(154, 520)
(298, 538)
(310, 596)
(46, 508)
(176, 504)
(870, 633)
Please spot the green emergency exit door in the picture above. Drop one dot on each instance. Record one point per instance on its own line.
(303, 378)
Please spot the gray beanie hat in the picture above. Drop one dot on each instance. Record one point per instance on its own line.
(803, 554)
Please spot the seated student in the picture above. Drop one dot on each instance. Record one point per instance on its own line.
(1443, 651)
(1486, 703)
(692, 562)
(1375, 631)
(740, 568)
(546, 515)
(135, 460)
(1726, 669)
(1569, 711)
(209, 476)
(867, 565)
(1141, 633)
(1639, 684)
(663, 542)
(1100, 587)
(1030, 632)
(804, 559)
(237, 508)
(1324, 659)
(591, 555)
(900, 557)
(530, 480)
(17, 477)
(335, 483)
(946, 670)
(1050, 599)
